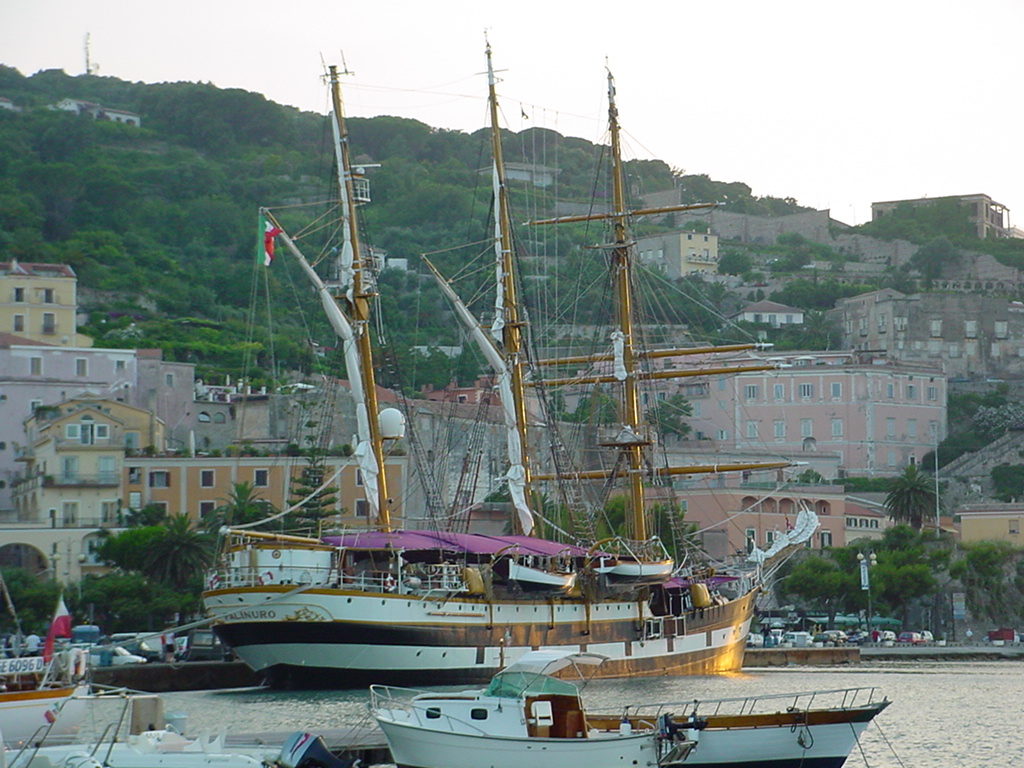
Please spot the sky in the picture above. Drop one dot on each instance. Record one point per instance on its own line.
(836, 104)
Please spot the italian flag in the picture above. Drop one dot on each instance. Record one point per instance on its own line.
(269, 231)
(59, 627)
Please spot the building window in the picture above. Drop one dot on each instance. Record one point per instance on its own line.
(101, 431)
(169, 379)
(911, 392)
(119, 365)
(890, 458)
(108, 511)
(882, 325)
(806, 390)
(750, 391)
(206, 508)
(359, 478)
(362, 508)
(160, 478)
(837, 427)
(900, 323)
(890, 427)
(933, 393)
(826, 539)
(206, 478)
(218, 418)
(19, 294)
(134, 475)
(19, 323)
(837, 389)
(203, 417)
(81, 366)
(72, 431)
(911, 427)
(752, 429)
(1001, 329)
(751, 537)
(779, 429)
(49, 323)
(890, 390)
(69, 512)
(935, 328)
(723, 434)
(970, 329)
(47, 295)
(36, 366)
(261, 478)
(806, 427)
(131, 441)
(769, 537)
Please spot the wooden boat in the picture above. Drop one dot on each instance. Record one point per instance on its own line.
(527, 716)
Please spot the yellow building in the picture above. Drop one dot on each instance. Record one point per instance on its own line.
(39, 302)
(198, 485)
(75, 457)
(680, 253)
(992, 522)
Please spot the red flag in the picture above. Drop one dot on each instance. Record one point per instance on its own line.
(59, 627)
(269, 231)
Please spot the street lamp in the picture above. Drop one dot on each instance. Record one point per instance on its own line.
(865, 580)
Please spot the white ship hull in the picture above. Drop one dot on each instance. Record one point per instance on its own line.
(336, 637)
(24, 714)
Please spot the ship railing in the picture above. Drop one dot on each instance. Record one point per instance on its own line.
(250, 576)
(835, 699)
(652, 549)
(427, 714)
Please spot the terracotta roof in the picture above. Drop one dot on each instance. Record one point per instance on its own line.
(12, 340)
(33, 269)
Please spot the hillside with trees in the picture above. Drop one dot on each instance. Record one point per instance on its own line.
(159, 222)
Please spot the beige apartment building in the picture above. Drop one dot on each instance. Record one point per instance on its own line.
(74, 457)
(993, 521)
(38, 302)
(196, 486)
(680, 253)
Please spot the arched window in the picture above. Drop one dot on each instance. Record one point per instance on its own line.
(218, 418)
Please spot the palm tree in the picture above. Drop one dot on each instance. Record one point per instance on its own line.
(911, 497)
(180, 554)
(241, 506)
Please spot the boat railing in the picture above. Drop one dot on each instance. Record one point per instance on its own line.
(426, 714)
(838, 698)
(434, 579)
(652, 549)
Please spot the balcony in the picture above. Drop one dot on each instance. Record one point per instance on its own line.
(103, 479)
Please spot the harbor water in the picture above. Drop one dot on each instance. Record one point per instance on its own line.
(943, 715)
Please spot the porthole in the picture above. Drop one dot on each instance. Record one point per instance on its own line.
(478, 714)
(433, 713)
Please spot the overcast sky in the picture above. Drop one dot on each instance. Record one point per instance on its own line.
(836, 104)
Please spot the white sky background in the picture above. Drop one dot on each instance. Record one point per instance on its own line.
(837, 104)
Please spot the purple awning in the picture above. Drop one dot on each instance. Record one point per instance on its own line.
(472, 543)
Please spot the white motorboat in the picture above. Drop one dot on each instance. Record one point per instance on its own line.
(39, 696)
(528, 716)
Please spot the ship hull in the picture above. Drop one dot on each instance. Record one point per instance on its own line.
(340, 638)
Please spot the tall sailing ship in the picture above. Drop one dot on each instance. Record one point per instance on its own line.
(435, 606)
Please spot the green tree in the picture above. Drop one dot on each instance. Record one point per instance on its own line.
(34, 599)
(820, 583)
(242, 506)
(180, 554)
(911, 497)
(320, 502)
(734, 263)
(935, 257)
(667, 415)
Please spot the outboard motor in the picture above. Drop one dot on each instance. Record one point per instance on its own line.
(304, 750)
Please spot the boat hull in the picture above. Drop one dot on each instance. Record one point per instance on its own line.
(340, 638)
(24, 714)
(413, 747)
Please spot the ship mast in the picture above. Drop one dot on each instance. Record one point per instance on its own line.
(508, 322)
(358, 300)
(630, 440)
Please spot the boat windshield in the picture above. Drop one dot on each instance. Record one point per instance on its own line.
(514, 685)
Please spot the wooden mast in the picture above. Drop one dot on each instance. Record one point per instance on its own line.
(358, 302)
(512, 326)
(632, 445)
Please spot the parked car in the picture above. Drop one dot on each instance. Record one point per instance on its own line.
(798, 639)
(887, 635)
(914, 638)
(831, 637)
(858, 638)
(755, 640)
(112, 655)
(927, 636)
(204, 645)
